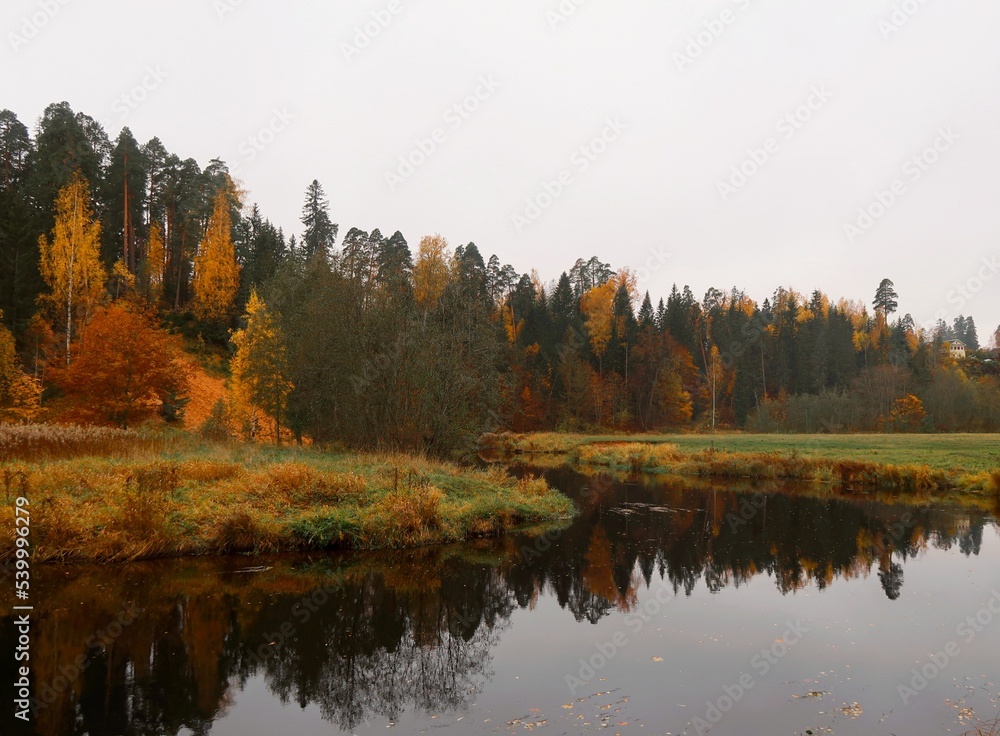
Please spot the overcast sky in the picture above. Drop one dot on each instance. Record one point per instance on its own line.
(677, 94)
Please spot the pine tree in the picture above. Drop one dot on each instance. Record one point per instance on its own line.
(885, 299)
(661, 316)
(971, 336)
(62, 147)
(395, 263)
(646, 316)
(216, 273)
(70, 261)
(123, 191)
(320, 231)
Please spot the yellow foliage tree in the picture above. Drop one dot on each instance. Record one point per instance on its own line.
(260, 366)
(216, 273)
(122, 281)
(70, 260)
(20, 394)
(156, 262)
(431, 272)
(597, 307)
(512, 328)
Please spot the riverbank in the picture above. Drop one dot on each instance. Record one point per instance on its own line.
(109, 495)
(968, 464)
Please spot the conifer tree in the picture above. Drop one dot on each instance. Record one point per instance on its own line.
(320, 231)
(260, 367)
(216, 273)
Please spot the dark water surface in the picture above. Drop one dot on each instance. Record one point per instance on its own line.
(662, 609)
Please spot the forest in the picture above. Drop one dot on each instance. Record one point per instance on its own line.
(117, 257)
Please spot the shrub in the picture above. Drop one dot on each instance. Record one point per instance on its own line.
(216, 426)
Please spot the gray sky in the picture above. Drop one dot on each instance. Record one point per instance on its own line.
(682, 93)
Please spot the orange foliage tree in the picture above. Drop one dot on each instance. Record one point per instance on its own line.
(907, 413)
(125, 369)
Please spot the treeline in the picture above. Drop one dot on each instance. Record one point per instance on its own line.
(366, 342)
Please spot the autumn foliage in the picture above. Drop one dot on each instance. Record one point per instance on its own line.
(124, 369)
(907, 413)
(70, 259)
(260, 368)
(216, 272)
(431, 271)
(20, 394)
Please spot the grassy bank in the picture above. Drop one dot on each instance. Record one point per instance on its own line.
(936, 463)
(109, 495)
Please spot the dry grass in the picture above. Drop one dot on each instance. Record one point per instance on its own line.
(986, 728)
(107, 503)
(847, 471)
(33, 442)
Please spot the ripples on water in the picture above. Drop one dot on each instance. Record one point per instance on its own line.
(680, 587)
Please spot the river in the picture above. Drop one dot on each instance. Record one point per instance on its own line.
(664, 607)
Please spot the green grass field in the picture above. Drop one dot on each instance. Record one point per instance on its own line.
(968, 453)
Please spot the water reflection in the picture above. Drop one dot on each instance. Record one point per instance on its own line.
(363, 636)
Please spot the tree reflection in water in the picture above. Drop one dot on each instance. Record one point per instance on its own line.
(372, 635)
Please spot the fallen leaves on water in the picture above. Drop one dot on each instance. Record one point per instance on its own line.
(854, 710)
(810, 694)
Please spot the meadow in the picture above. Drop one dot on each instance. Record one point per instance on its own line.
(901, 462)
(113, 495)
